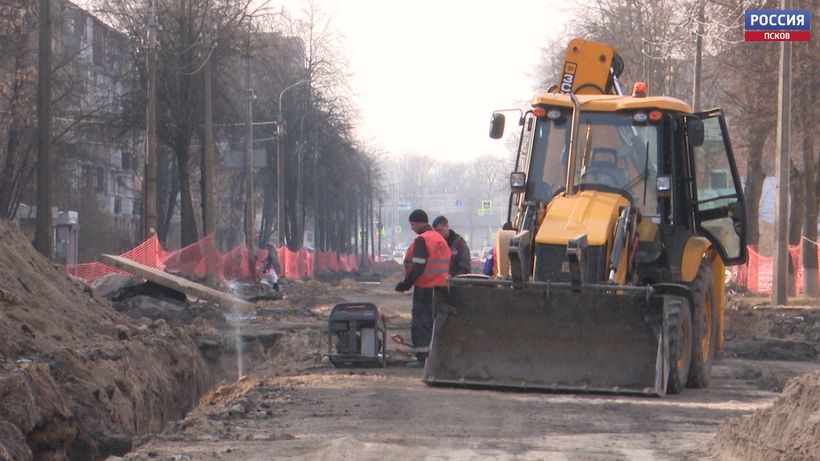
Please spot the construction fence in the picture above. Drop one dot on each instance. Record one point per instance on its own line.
(231, 265)
(757, 274)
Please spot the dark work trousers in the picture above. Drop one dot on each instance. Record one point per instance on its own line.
(422, 323)
(421, 328)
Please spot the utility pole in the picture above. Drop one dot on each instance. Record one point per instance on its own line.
(43, 238)
(300, 178)
(698, 57)
(781, 257)
(208, 180)
(370, 226)
(249, 208)
(379, 227)
(149, 186)
(280, 176)
(299, 227)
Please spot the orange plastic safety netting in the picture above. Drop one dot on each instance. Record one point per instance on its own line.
(192, 261)
(757, 274)
(149, 253)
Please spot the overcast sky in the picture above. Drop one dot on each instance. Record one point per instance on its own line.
(426, 75)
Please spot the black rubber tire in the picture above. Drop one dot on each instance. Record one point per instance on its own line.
(679, 325)
(704, 327)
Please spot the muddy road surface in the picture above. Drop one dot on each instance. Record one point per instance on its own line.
(306, 409)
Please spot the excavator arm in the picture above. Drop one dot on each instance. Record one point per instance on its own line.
(591, 68)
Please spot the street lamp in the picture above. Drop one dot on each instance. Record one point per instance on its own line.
(280, 173)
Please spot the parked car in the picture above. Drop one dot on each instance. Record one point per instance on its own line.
(398, 256)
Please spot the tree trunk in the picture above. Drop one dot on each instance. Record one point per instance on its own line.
(318, 225)
(754, 185)
(168, 187)
(269, 199)
(796, 203)
(810, 224)
(290, 205)
(188, 227)
(11, 175)
(796, 209)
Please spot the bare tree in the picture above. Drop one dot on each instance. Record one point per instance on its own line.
(186, 36)
(17, 117)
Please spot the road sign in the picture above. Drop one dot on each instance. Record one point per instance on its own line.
(404, 206)
(481, 211)
(398, 229)
(459, 202)
(487, 204)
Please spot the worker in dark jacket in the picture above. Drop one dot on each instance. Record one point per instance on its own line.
(426, 265)
(272, 266)
(460, 252)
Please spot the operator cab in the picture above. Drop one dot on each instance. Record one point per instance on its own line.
(617, 152)
(674, 168)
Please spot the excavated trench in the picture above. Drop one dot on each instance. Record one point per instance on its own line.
(227, 345)
(82, 377)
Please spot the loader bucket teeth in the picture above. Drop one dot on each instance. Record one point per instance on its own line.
(596, 341)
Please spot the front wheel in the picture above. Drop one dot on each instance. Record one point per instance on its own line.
(704, 327)
(679, 324)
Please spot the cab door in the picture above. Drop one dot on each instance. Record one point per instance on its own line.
(718, 205)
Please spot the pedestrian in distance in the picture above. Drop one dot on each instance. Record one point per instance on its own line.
(272, 266)
(426, 265)
(490, 268)
(460, 252)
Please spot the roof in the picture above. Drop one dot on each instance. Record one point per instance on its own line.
(611, 103)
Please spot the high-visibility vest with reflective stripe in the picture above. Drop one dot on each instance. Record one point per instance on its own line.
(437, 265)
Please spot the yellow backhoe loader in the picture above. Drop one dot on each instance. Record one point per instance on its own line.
(625, 211)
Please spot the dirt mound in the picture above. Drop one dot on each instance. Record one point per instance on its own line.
(745, 318)
(788, 430)
(761, 332)
(78, 379)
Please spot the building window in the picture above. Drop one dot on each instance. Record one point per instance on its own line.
(136, 206)
(88, 177)
(99, 179)
(122, 185)
(94, 178)
(117, 205)
(126, 160)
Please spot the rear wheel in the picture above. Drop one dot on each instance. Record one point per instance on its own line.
(679, 324)
(704, 323)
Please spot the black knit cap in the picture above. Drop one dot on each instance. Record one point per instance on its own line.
(418, 216)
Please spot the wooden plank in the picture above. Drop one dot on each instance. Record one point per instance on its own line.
(178, 283)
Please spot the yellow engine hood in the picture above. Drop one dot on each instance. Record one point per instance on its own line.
(588, 212)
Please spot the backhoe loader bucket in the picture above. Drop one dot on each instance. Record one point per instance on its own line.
(550, 338)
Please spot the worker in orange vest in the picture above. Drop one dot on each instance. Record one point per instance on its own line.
(426, 264)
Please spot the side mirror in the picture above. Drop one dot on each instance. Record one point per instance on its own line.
(518, 182)
(738, 215)
(694, 129)
(497, 126)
